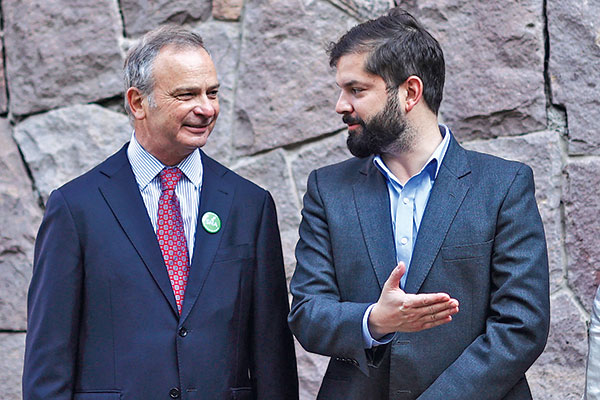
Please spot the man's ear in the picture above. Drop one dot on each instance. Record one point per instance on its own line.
(413, 88)
(135, 99)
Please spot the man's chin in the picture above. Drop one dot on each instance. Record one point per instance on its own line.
(358, 148)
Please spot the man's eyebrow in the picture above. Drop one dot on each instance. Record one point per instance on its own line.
(195, 88)
(352, 82)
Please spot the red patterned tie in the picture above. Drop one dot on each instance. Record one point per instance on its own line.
(170, 233)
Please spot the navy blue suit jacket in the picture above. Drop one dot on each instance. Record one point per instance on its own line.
(481, 240)
(102, 318)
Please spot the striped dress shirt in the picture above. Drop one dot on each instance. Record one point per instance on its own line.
(146, 168)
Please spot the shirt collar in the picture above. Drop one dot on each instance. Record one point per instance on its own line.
(435, 159)
(145, 166)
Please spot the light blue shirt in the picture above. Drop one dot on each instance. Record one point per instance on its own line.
(146, 168)
(407, 206)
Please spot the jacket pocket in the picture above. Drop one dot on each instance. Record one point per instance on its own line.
(241, 393)
(108, 395)
(236, 252)
(468, 251)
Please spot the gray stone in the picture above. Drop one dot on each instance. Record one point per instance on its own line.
(3, 99)
(286, 90)
(494, 55)
(141, 16)
(364, 9)
(582, 208)
(559, 373)
(227, 10)
(223, 42)
(318, 154)
(62, 144)
(271, 172)
(542, 152)
(20, 217)
(61, 52)
(311, 368)
(574, 69)
(12, 348)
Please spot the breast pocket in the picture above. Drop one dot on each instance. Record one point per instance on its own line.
(466, 252)
(235, 252)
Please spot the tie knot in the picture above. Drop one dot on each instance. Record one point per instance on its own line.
(169, 178)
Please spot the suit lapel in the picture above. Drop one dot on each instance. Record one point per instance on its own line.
(216, 196)
(447, 194)
(373, 208)
(121, 193)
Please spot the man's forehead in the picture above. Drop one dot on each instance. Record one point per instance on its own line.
(350, 70)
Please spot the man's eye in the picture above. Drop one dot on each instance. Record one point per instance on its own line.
(184, 96)
(356, 90)
(213, 94)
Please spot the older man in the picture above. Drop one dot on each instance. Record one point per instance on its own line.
(159, 273)
(422, 267)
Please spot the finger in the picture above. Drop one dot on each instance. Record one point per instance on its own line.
(393, 281)
(438, 307)
(427, 299)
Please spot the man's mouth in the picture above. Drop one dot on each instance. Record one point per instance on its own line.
(351, 121)
(198, 126)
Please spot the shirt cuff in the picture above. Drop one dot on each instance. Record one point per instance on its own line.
(368, 340)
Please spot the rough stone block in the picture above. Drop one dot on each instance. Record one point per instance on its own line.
(582, 208)
(327, 151)
(223, 42)
(559, 373)
(574, 68)
(12, 348)
(227, 10)
(364, 9)
(20, 217)
(271, 172)
(494, 54)
(286, 90)
(61, 52)
(62, 144)
(541, 151)
(141, 16)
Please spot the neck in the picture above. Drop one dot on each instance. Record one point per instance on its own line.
(406, 164)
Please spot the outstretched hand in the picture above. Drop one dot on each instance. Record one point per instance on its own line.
(398, 311)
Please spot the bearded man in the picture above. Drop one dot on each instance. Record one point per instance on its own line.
(421, 267)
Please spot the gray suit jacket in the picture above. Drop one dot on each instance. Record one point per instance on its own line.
(481, 240)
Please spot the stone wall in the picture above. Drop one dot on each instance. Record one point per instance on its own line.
(521, 83)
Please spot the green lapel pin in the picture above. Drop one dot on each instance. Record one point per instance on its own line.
(211, 222)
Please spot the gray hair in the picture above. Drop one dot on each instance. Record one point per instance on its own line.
(137, 71)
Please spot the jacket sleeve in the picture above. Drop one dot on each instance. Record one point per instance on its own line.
(53, 306)
(519, 307)
(323, 323)
(273, 371)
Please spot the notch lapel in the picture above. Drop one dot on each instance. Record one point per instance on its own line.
(216, 196)
(373, 208)
(121, 193)
(447, 194)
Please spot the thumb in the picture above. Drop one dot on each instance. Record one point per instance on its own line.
(393, 282)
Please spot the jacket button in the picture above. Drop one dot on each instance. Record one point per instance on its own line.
(174, 393)
(183, 332)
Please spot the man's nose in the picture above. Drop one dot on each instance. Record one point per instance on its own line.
(343, 106)
(205, 108)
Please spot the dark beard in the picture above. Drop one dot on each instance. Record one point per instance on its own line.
(385, 132)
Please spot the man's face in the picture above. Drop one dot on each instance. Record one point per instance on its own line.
(183, 107)
(376, 123)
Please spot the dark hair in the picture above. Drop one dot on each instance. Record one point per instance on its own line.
(397, 47)
(137, 71)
